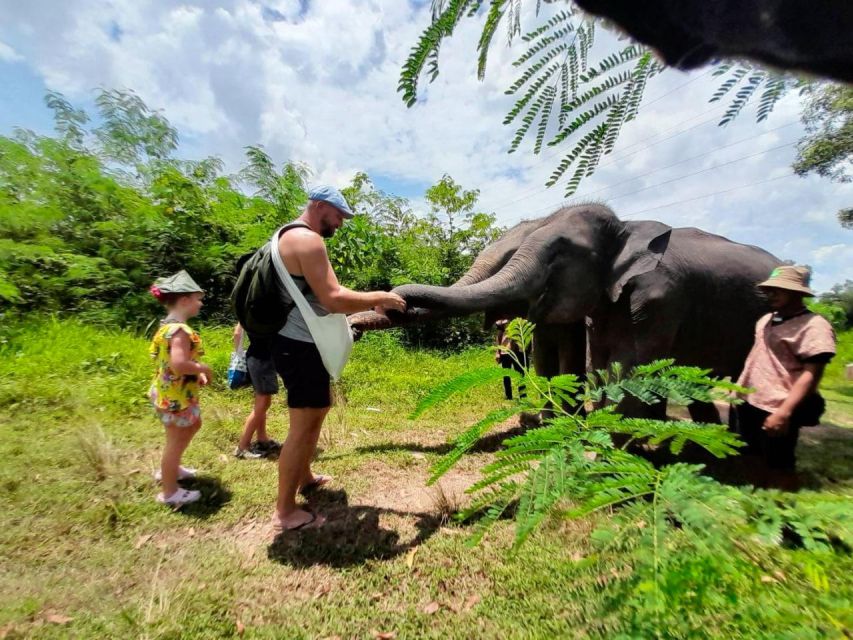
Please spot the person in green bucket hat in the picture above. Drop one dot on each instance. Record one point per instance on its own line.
(792, 346)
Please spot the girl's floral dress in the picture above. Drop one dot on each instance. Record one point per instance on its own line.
(170, 391)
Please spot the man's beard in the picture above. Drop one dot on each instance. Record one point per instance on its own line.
(327, 231)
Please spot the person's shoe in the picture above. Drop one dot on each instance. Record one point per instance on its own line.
(179, 498)
(247, 454)
(184, 473)
(266, 447)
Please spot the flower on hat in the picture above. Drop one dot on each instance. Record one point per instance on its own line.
(155, 291)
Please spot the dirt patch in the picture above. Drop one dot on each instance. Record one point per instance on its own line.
(405, 489)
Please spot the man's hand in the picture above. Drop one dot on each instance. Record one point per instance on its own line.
(776, 424)
(390, 301)
(203, 380)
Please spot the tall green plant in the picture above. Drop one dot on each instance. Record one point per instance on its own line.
(677, 532)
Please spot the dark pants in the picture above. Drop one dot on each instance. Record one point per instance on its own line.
(508, 362)
(778, 451)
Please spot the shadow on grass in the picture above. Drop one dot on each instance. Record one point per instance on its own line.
(824, 456)
(352, 535)
(487, 444)
(214, 496)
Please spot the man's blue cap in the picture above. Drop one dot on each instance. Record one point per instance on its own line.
(325, 193)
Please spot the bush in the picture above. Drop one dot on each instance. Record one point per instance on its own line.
(832, 312)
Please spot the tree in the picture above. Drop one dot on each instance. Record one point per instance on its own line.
(827, 149)
(90, 217)
(460, 231)
(563, 93)
(841, 295)
(285, 189)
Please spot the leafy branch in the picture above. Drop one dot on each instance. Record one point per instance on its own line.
(561, 92)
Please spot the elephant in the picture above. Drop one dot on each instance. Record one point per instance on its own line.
(601, 290)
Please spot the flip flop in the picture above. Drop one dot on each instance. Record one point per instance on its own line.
(315, 522)
(318, 481)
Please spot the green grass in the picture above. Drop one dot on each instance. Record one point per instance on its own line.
(86, 552)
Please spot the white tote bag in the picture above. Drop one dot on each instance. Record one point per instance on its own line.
(331, 332)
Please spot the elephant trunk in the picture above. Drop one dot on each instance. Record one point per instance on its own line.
(519, 280)
(372, 321)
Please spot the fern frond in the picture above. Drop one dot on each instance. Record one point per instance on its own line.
(546, 486)
(544, 45)
(532, 91)
(520, 331)
(729, 84)
(491, 506)
(427, 47)
(579, 149)
(548, 100)
(529, 118)
(493, 19)
(494, 474)
(561, 17)
(579, 122)
(468, 440)
(742, 97)
(749, 80)
(773, 92)
(460, 384)
(714, 438)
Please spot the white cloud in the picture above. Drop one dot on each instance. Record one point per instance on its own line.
(317, 82)
(8, 54)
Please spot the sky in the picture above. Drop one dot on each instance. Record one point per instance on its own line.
(316, 82)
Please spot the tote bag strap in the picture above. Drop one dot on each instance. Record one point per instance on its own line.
(304, 308)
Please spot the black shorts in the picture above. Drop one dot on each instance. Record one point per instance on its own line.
(262, 374)
(303, 373)
(778, 451)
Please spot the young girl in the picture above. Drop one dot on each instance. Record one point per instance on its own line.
(174, 389)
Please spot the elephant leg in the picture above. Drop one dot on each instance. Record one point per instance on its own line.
(546, 358)
(704, 412)
(546, 350)
(560, 349)
(573, 355)
(572, 350)
(634, 408)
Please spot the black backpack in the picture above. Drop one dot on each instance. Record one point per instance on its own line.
(259, 297)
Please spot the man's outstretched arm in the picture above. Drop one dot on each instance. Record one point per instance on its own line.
(320, 276)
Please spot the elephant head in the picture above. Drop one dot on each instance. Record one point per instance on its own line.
(555, 270)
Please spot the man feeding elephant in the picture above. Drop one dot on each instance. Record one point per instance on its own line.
(296, 357)
(792, 347)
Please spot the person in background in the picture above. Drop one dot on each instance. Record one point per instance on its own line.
(174, 391)
(265, 384)
(792, 346)
(510, 355)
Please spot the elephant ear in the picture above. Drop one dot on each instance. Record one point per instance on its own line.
(645, 244)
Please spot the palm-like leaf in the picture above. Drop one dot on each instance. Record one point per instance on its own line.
(562, 95)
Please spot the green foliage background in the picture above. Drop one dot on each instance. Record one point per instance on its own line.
(91, 216)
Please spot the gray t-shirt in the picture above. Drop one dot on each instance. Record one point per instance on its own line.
(295, 327)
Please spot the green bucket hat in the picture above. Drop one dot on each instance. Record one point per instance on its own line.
(181, 282)
(790, 277)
